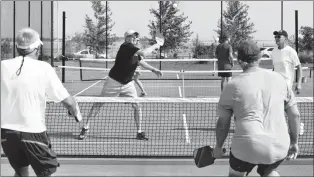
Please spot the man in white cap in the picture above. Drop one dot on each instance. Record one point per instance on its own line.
(120, 81)
(26, 83)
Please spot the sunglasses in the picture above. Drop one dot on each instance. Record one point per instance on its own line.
(278, 36)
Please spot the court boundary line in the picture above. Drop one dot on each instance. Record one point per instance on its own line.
(88, 87)
(186, 128)
(180, 93)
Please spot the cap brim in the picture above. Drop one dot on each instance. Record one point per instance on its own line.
(34, 45)
(275, 33)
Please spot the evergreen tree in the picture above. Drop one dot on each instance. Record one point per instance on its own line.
(95, 32)
(236, 23)
(306, 42)
(173, 26)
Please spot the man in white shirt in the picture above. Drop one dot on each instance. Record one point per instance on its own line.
(26, 83)
(258, 99)
(285, 60)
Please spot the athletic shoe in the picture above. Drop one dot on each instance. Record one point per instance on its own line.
(141, 136)
(83, 133)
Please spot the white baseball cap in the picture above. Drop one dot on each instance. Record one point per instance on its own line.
(130, 32)
(28, 38)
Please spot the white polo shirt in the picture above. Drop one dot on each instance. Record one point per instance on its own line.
(23, 97)
(285, 60)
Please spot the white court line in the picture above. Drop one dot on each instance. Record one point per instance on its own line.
(89, 86)
(187, 136)
(180, 94)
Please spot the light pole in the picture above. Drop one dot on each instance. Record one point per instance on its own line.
(160, 32)
(281, 15)
(221, 21)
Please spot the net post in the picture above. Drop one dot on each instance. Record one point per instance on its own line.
(296, 42)
(81, 74)
(29, 14)
(214, 67)
(51, 43)
(13, 29)
(63, 47)
(183, 87)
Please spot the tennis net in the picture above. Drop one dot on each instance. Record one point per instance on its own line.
(164, 65)
(174, 126)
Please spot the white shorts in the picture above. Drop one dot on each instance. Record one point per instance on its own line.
(113, 88)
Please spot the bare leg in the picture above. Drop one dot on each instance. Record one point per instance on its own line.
(228, 79)
(140, 85)
(222, 83)
(93, 113)
(233, 173)
(21, 172)
(137, 116)
(96, 106)
(272, 173)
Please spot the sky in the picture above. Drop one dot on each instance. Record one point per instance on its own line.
(266, 15)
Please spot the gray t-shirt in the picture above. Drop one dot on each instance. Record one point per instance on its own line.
(258, 100)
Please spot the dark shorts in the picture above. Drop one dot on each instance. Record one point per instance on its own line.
(242, 166)
(224, 67)
(23, 149)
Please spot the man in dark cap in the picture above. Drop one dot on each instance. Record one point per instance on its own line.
(258, 99)
(225, 59)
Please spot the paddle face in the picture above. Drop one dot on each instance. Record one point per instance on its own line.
(203, 156)
(159, 38)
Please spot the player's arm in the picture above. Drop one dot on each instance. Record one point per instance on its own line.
(296, 62)
(299, 73)
(70, 104)
(147, 66)
(225, 113)
(222, 129)
(230, 55)
(216, 52)
(57, 93)
(293, 116)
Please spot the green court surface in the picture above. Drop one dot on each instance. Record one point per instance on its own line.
(157, 167)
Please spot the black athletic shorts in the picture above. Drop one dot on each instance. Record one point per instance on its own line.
(23, 149)
(242, 166)
(224, 67)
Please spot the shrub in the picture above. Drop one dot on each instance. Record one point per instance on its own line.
(306, 57)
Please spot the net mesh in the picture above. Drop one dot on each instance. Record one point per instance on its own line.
(174, 126)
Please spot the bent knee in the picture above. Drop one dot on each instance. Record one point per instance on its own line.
(136, 106)
(233, 173)
(271, 173)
